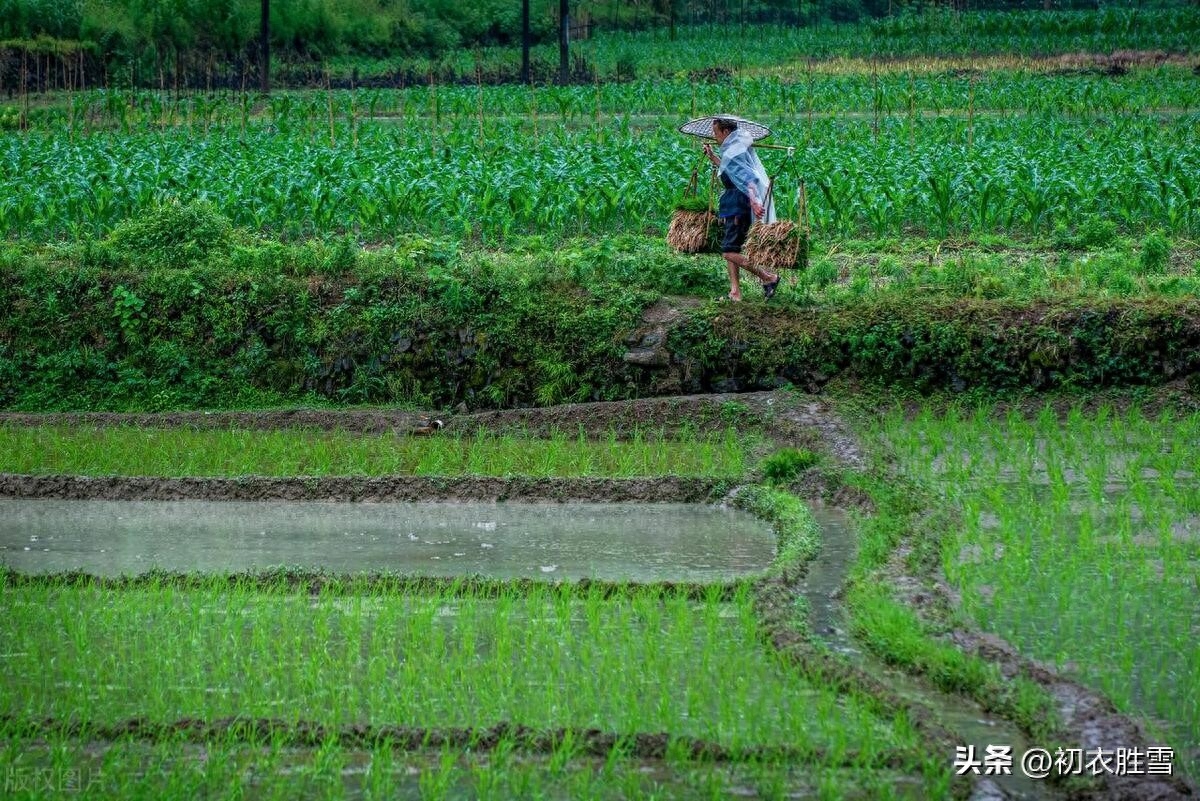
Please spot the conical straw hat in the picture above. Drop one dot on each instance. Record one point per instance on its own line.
(702, 126)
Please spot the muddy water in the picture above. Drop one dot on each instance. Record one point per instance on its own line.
(639, 542)
(822, 588)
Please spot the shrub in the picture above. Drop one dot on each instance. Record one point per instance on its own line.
(1093, 232)
(172, 234)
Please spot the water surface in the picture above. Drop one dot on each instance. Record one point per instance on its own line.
(612, 541)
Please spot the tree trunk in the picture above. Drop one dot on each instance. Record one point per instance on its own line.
(525, 41)
(564, 21)
(265, 46)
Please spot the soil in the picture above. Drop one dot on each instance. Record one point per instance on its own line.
(775, 600)
(363, 489)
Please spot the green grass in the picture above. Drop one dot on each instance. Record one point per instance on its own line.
(182, 452)
(1078, 540)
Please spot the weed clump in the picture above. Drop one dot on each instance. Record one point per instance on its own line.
(172, 234)
(785, 464)
(1092, 233)
(1156, 252)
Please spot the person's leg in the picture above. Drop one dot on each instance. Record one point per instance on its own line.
(735, 278)
(737, 260)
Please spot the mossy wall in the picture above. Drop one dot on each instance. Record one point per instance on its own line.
(118, 338)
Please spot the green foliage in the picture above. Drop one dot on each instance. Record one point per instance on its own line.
(318, 321)
(785, 464)
(960, 344)
(172, 234)
(692, 203)
(589, 174)
(1156, 253)
(130, 38)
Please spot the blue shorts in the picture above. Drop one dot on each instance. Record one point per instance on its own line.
(736, 228)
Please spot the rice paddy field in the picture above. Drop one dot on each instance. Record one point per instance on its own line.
(944, 484)
(1077, 541)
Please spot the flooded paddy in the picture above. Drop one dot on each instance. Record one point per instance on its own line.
(612, 541)
(822, 586)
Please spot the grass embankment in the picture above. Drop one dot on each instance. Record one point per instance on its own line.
(431, 323)
(180, 452)
(1077, 540)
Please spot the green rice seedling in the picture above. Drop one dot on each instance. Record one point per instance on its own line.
(785, 464)
(181, 452)
(1063, 515)
(442, 663)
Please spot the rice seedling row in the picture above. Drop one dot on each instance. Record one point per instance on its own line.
(274, 769)
(182, 452)
(635, 663)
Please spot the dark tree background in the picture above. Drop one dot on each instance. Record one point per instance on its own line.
(198, 43)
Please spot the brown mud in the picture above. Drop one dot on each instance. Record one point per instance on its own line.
(311, 734)
(775, 598)
(363, 489)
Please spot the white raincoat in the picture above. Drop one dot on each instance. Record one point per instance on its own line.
(741, 165)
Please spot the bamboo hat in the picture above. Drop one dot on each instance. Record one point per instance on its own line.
(702, 126)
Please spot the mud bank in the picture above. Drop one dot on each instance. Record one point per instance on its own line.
(310, 734)
(664, 489)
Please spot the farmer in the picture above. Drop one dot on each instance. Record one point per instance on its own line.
(745, 183)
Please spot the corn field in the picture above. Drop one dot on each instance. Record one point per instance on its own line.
(296, 172)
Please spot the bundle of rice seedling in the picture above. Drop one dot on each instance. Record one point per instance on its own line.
(781, 245)
(693, 227)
